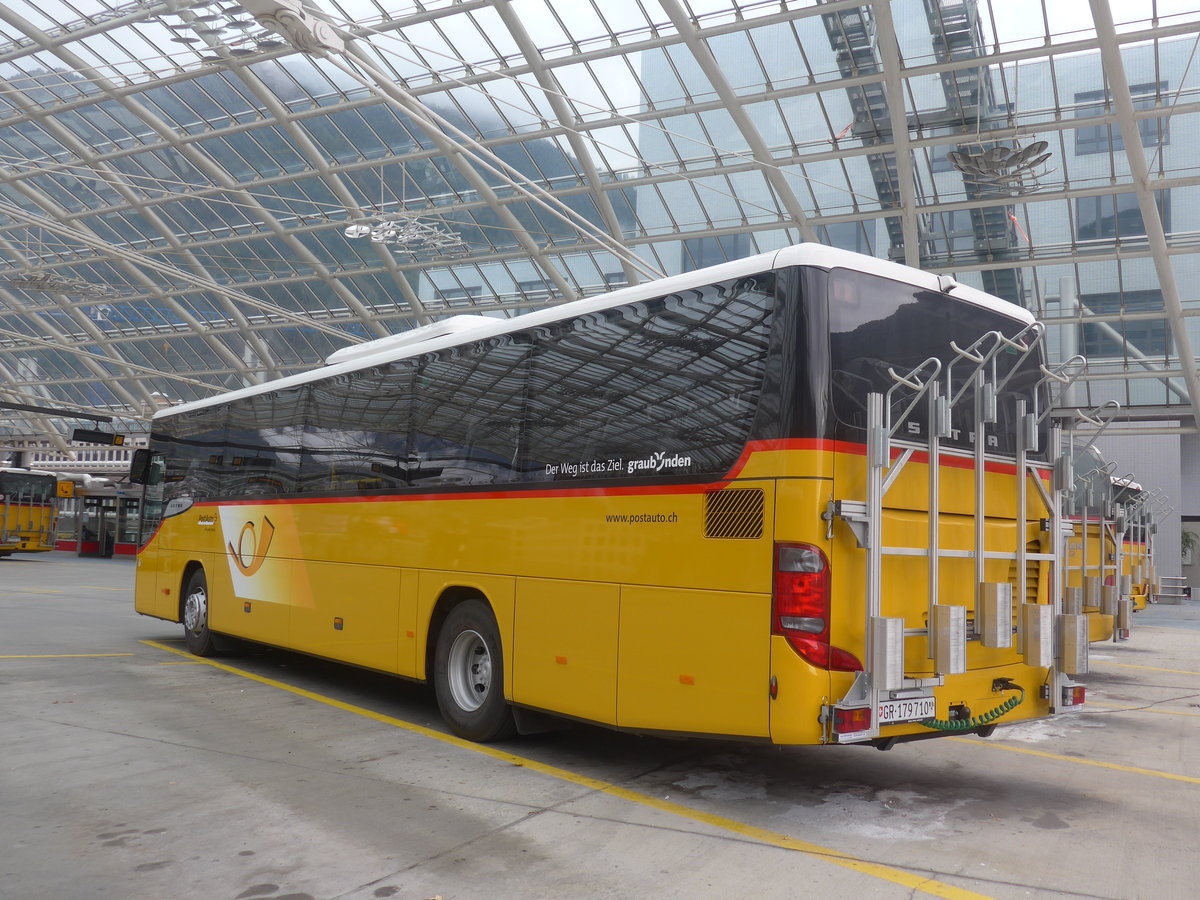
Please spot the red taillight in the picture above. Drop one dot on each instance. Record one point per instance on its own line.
(1074, 694)
(801, 606)
(801, 589)
(848, 721)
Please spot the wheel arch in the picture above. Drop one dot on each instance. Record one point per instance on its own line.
(449, 598)
(189, 567)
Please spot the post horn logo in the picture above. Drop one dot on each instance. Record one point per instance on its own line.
(251, 550)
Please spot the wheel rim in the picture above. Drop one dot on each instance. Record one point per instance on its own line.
(469, 670)
(195, 610)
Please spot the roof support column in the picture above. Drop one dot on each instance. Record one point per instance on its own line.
(734, 106)
(1114, 69)
(889, 55)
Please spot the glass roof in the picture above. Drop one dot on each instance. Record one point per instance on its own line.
(197, 196)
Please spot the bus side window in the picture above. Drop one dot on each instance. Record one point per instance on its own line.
(469, 413)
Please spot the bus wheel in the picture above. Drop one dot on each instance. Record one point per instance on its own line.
(195, 615)
(468, 674)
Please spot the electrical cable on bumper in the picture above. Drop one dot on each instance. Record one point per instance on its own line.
(957, 725)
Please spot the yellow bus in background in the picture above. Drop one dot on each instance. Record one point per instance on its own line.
(1137, 560)
(28, 511)
(1107, 562)
(698, 506)
(1091, 569)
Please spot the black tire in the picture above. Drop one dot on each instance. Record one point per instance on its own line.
(196, 635)
(468, 674)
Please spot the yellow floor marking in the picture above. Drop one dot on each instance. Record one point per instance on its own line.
(62, 655)
(1133, 770)
(773, 838)
(38, 591)
(113, 590)
(1144, 668)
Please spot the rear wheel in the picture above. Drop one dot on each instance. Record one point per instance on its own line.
(468, 674)
(196, 635)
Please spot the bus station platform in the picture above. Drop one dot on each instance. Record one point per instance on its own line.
(134, 770)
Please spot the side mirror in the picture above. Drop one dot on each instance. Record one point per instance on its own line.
(139, 468)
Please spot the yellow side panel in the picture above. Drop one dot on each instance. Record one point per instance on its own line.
(257, 620)
(694, 661)
(354, 616)
(566, 647)
(802, 691)
(255, 578)
(407, 634)
(154, 594)
(1100, 627)
(258, 609)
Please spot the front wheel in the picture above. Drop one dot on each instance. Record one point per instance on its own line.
(468, 674)
(196, 635)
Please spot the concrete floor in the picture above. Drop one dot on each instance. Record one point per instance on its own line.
(129, 771)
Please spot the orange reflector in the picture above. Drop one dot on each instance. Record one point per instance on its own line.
(848, 721)
(686, 679)
(410, 634)
(561, 660)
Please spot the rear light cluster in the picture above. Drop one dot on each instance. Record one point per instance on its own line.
(850, 721)
(801, 607)
(1074, 694)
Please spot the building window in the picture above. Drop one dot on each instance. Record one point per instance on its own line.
(1116, 216)
(1103, 138)
(535, 287)
(459, 296)
(850, 236)
(699, 253)
(1151, 337)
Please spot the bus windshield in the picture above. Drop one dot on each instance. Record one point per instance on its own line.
(25, 485)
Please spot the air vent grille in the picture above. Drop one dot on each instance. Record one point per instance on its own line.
(734, 513)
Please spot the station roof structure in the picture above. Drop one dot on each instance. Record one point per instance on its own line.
(199, 195)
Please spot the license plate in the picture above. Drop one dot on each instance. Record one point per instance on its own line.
(911, 710)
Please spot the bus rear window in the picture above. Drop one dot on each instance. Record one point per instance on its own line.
(876, 324)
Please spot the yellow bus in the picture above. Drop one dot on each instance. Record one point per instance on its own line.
(1093, 546)
(1107, 557)
(672, 509)
(1137, 563)
(28, 511)
(1091, 561)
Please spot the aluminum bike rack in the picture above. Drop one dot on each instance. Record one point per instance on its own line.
(946, 630)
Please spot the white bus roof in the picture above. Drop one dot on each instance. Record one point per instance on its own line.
(454, 330)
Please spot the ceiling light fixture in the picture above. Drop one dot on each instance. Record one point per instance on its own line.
(222, 28)
(1000, 165)
(52, 283)
(409, 233)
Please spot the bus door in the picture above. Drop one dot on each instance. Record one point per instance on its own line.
(98, 536)
(128, 513)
